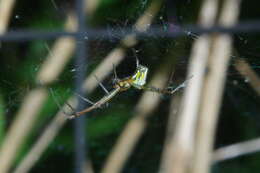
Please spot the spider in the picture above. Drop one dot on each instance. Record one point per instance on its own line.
(137, 80)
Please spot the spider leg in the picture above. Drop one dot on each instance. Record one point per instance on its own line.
(85, 99)
(101, 85)
(153, 89)
(98, 104)
(137, 62)
(169, 90)
(136, 58)
(182, 85)
(58, 104)
(115, 74)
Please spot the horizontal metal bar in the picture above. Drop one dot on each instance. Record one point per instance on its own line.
(118, 33)
(27, 35)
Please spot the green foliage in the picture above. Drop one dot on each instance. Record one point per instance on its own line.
(127, 11)
(108, 123)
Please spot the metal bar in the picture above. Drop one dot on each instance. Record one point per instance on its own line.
(80, 65)
(155, 31)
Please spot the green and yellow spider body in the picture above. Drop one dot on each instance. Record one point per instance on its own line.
(139, 78)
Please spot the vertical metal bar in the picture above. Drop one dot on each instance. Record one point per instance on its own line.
(80, 65)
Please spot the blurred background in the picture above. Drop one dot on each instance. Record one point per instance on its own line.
(39, 136)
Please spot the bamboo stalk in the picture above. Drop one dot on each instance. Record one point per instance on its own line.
(236, 150)
(59, 55)
(182, 142)
(213, 89)
(38, 148)
(20, 127)
(244, 69)
(250, 146)
(6, 7)
(168, 155)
